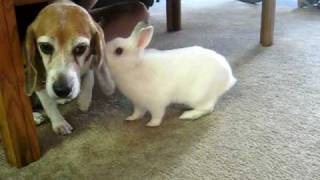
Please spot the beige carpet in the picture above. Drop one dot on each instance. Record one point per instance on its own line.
(266, 127)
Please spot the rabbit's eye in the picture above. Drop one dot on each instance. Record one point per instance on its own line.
(118, 51)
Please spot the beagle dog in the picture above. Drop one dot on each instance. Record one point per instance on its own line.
(64, 51)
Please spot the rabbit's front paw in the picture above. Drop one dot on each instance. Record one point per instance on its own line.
(132, 118)
(154, 123)
(137, 114)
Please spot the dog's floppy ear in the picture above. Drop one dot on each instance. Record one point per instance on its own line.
(34, 69)
(101, 70)
(99, 46)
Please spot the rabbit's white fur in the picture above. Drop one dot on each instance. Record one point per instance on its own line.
(153, 79)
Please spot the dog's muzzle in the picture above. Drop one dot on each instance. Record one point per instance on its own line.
(62, 87)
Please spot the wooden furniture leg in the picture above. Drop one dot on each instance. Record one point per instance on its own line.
(267, 22)
(301, 3)
(17, 128)
(173, 15)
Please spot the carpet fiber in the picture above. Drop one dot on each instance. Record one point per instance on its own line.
(265, 127)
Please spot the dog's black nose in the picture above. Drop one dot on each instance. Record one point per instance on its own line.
(62, 87)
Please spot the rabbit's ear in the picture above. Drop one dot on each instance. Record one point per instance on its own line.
(144, 37)
(137, 28)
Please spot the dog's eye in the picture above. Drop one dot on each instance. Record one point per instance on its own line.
(80, 49)
(118, 51)
(46, 48)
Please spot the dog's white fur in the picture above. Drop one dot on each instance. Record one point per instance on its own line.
(79, 69)
(152, 79)
(59, 124)
(85, 96)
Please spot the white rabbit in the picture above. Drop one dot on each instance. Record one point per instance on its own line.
(153, 79)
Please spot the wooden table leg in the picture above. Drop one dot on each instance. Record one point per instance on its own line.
(267, 22)
(173, 15)
(17, 128)
(301, 3)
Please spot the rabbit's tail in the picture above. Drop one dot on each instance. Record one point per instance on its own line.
(232, 82)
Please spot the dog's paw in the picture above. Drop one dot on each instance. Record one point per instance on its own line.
(38, 118)
(62, 127)
(84, 104)
(84, 107)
